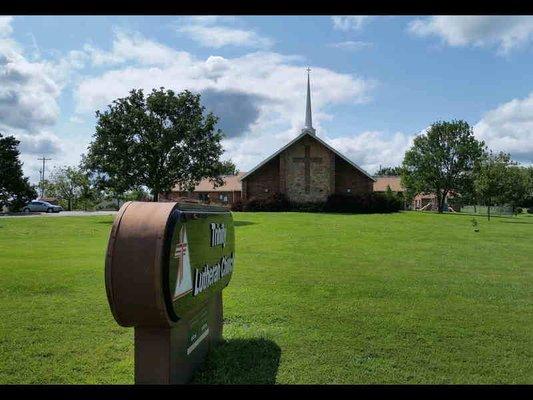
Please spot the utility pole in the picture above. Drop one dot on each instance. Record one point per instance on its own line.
(44, 160)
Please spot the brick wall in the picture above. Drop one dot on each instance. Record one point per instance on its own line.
(210, 197)
(349, 178)
(263, 182)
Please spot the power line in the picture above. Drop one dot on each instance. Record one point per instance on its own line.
(44, 160)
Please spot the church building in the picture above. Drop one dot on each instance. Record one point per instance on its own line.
(307, 169)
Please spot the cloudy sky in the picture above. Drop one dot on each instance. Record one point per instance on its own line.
(376, 81)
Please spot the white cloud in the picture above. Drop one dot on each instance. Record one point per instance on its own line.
(65, 150)
(30, 88)
(349, 23)
(351, 45)
(504, 32)
(371, 149)
(272, 76)
(5, 25)
(132, 47)
(509, 128)
(274, 84)
(209, 19)
(42, 143)
(206, 33)
(28, 93)
(76, 119)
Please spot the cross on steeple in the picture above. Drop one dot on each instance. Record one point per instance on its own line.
(307, 161)
(308, 118)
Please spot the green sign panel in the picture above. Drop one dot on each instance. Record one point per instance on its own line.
(200, 259)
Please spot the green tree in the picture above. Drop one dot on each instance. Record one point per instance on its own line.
(73, 186)
(528, 201)
(156, 141)
(442, 160)
(15, 189)
(518, 188)
(389, 171)
(137, 194)
(491, 180)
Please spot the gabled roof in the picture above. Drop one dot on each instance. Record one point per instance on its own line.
(232, 183)
(320, 141)
(394, 182)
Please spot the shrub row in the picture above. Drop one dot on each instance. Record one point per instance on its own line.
(374, 202)
(363, 203)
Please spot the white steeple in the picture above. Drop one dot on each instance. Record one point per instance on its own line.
(308, 118)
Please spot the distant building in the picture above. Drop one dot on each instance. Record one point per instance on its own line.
(382, 182)
(205, 192)
(422, 201)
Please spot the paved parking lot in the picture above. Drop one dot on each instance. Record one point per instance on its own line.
(61, 214)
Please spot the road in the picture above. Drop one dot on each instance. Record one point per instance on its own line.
(61, 214)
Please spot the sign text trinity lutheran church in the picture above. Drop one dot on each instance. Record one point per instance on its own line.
(166, 267)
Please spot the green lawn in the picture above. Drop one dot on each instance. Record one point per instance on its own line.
(315, 298)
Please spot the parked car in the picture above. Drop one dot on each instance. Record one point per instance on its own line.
(41, 206)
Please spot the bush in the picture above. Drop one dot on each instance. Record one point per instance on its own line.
(237, 206)
(253, 204)
(518, 210)
(276, 202)
(364, 203)
(530, 210)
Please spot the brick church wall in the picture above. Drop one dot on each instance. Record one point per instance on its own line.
(350, 181)
(263, 182)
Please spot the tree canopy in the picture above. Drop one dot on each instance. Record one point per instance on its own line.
(389, 171)
(15, 189)
(156, 141)
(500, 181)
(73, 187)
(442, 160)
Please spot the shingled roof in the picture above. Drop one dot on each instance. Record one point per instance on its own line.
(232, 183)
(381, 183)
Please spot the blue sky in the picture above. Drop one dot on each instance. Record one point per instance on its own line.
(376, 81)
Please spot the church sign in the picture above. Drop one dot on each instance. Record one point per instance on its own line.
(166, 267)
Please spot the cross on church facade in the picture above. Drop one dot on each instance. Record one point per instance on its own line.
(307, 160)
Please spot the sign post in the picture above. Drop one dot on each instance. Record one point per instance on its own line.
(166, 266)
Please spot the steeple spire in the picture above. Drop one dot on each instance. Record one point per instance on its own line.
(308, 118)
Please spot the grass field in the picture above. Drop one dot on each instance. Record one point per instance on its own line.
(315, 298)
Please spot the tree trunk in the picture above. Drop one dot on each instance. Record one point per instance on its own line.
(155, 196)
(441, 199)
(70, 204)
(488, 212)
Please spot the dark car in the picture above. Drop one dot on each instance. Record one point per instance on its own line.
(41, 206)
